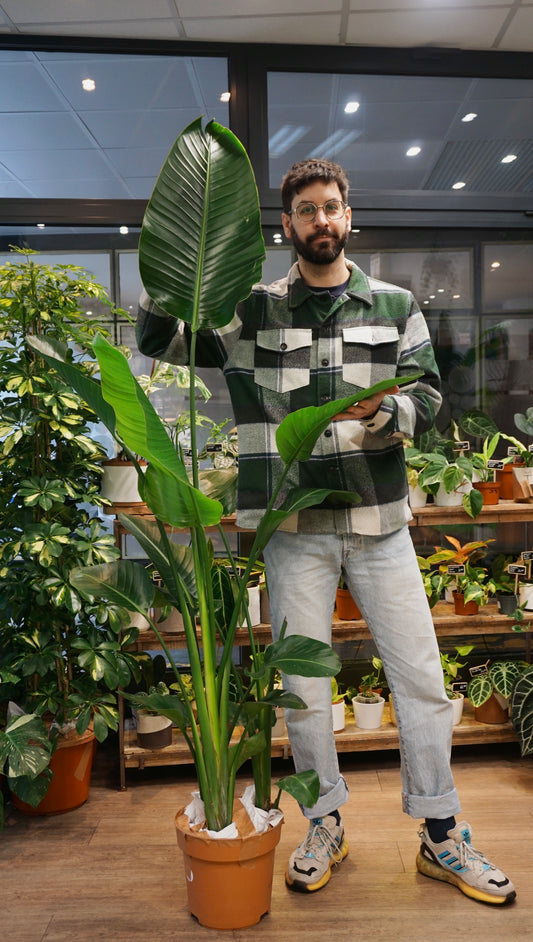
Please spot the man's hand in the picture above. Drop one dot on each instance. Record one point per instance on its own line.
(367, 407)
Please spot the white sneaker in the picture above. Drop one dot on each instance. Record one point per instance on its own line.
(310, 864)
(455, 861)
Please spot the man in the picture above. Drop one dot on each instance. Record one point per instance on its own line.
(323, 333)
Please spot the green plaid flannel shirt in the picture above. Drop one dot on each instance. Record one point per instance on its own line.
(288, 347)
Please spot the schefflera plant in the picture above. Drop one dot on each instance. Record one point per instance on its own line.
(201, 250)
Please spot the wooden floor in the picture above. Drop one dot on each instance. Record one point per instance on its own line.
(111, 871)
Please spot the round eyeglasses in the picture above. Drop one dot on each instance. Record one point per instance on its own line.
(306, 212)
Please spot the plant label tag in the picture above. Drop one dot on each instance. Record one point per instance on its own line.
(515, 569)
(479, 670)
(527, 554)
(494, 463)
(456, 570)
(530, 448)
(512, 450)
(461, 446)
(460, 686)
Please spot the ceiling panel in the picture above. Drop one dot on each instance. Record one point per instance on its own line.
(408, 27)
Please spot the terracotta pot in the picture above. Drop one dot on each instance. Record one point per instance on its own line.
(471, 608)
(491, 712)
(347, 609)
(505, 478)
(71, 765)
(229, 881)
(490, 490)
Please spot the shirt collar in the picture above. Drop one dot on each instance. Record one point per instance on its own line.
(299, 291)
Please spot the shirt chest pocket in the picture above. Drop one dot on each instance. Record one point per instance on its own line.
(369, 354)
(282, 359)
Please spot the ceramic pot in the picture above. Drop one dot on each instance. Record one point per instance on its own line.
(338, 711)
(417, 497)
(525, 595)
(120, 482)
(471, 608)
(458, 703)
(229, 880)
(455, 498)
(368, 715)
(490, 491)
(507, 603)
(347, 609)
(153, 732)
(71, 765)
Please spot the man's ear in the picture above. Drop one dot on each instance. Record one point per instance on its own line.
(286, 223)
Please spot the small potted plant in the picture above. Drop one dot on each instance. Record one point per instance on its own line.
(451, 665)
(368, 703)
(489, 692)
(435, 581)
(472, 583)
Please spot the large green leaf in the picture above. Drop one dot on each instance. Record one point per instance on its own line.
(303, 786)
(201, 247)
(477, 423)
(504, 675)
(124, 582)
(298, 654)
(148, 535)
(298, 433)
(176, 502)
(298, 499)
(522, 711)
(24, 746)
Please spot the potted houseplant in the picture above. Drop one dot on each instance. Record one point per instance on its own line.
(451, 666)
(368, 704)
(472, 582)
(489, 692)
(449, 479)
(186, 258)
(435, 581)
(476, 423)
(65, 651)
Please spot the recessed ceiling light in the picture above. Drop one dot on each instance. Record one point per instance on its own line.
(88, 84)
(432, 297)
(356, 230)
(123, 230)
(469, 117)
(413, 152)
(440, 290)
(225, 96)
(495, 264)
(459, 185)
(456, 297)
(508, 159)
(40, 225)
(351, 107)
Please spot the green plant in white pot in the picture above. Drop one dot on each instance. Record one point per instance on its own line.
(201, 250)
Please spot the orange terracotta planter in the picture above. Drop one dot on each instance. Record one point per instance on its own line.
(491, 712)
(471, 608)
(71, 765)
(490, 490)
(229, 881)
(347, 609)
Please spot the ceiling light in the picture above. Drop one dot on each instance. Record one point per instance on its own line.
(508, 159)
(456, 297)
(459, 185)
(469, 117)
(225, 96)
(356, 230)
(413, 152)
(40, 225)
(432, 297)
(425, 302)
(351, 107)
(495, 264)
(88, 84)
(440, 290)
(123, 230)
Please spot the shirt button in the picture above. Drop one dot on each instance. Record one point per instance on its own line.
(328, 433)
(325, 362)
(325, 398)
(283, 346)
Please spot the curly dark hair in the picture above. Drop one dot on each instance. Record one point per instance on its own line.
(305, 172)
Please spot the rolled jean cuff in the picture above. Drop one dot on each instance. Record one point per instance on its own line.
(329, 802)
(421, 806)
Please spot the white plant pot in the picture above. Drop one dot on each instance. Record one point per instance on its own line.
(173, 622)
(339, 716)
(279, 730)
(525, 595)
(368, 715)
(254, 606)
(139, 621)
(417, 497)
(119, 482)
(454, 498)
(153, 732)
(458, 704)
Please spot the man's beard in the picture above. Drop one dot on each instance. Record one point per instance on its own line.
(323, 254)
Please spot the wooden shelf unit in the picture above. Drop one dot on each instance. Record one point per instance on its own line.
(488, 621)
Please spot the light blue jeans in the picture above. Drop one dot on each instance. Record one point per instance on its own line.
(382, 573)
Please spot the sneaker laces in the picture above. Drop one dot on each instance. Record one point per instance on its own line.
(467, 855)
(321, 835)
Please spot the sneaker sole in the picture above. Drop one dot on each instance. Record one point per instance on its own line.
(430, 869)
(300, 887)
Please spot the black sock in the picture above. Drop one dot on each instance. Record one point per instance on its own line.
(438, 828)
(336, 815)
